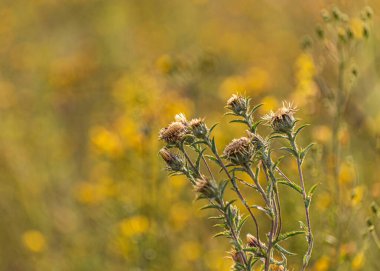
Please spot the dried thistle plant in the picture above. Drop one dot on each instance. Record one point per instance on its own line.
(249, 154)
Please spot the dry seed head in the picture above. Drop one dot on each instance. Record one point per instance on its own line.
(252, 241)
(239, 151)
(173, 161)
(257, 141)
(237, 104)
(174, 133)
(282, 121)
(206, 187)
(198, 127)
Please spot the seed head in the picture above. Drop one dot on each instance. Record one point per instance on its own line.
(198, 127)
(239, 151)
(205, 187)
(257, 141)
(174, 133)
(283, 120)
(252, 241)
(237, 104)
(173, 161)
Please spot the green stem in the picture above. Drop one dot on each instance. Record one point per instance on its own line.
(309, 236)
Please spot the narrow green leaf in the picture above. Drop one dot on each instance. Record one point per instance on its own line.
(277, 162)
(254, 109)
(300, 129)
(210, 206)
(219, 234)
(212, 128)
(290, 150)
(287, 235)
(223, 186)
(283, 250)
(312, 190)
(292, 185)
(274, 136)
(198, 161)
(239, 121)
(213, 146)
(305, 150)
(212, 158)
(255, 125)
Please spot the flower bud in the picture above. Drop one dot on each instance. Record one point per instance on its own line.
(173, 161)
(198, 127)
(283, 120)
(238, 104)
(174, 133)
(205, 187)
(252, 241)
(257, 141)
(239, 151)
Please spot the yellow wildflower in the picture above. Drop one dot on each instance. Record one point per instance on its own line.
(322, 264)
(358, 261)
(190, 250)
(357, 195)
(135, 225)
(34, 240)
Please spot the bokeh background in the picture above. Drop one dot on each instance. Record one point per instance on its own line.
(85, 87)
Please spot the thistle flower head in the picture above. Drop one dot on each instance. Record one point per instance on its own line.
(174, 133)
(198, 127)
(173, 161)
(205, 187)
(252, 241)
(282, 121)
(239, 151)
(238, 104)
(257, 141)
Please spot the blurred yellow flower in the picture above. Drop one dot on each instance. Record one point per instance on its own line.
(34, 240)
(179, 215)
(322, 133)
(357, 28)
(231, 85)
(257, 80)
(270, 103)
(347, 174)
(358, 261)
(94, 193)
(322, 264)
(254, 82)
(305, 72)
(164, 64)
(357, 195)
(323, 201)
(135, 225)
(190, 250)
(106, 142)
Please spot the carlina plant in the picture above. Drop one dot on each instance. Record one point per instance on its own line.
(190, 148)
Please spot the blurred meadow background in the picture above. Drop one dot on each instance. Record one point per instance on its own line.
(85, 87)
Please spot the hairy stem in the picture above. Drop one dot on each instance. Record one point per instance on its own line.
(309, 236)
(241, 197)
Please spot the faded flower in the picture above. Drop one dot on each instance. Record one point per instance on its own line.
(174, 133)
(282, 121)
(239, 151)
